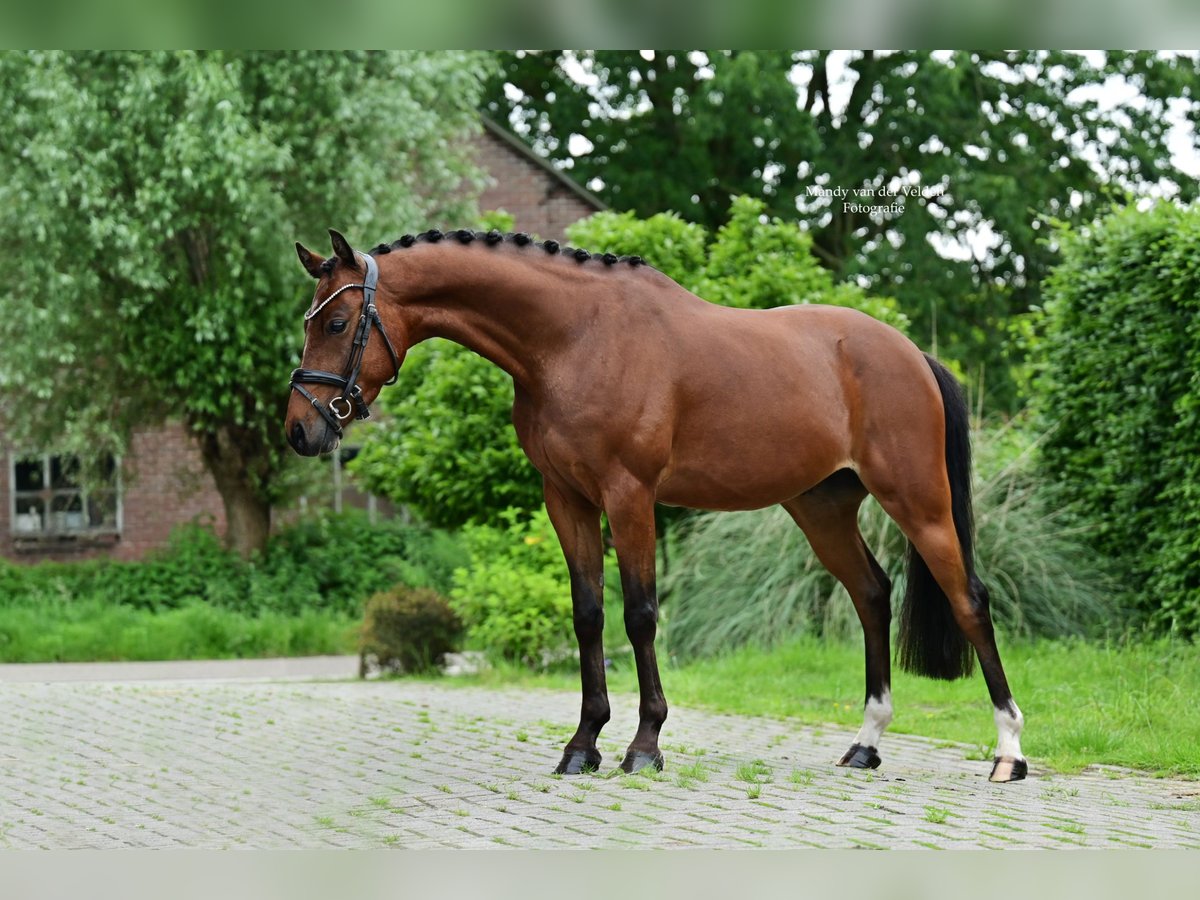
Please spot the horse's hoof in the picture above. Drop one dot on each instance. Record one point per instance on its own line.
(860, 757)
(636, 760)
(576, 762)
(1006, 768)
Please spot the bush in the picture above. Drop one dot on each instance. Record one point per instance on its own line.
(751, 578)
(515, 598)
(1119, 385)
(328, 562)
(408, 630)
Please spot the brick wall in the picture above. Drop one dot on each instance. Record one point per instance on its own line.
(164, 484)
(539, 201)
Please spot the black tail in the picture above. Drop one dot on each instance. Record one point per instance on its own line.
(930, 642)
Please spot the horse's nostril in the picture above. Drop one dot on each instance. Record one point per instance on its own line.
(298, 439)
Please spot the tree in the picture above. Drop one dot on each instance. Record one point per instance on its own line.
(149, 204)
(1119, 389)
(985, 143)
(448, 449)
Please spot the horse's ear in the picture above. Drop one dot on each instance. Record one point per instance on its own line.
(342, 249)
(311, 263)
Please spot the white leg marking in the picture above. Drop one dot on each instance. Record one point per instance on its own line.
(876, 717)
(1008, 729)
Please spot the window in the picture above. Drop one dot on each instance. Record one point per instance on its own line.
(49, 499)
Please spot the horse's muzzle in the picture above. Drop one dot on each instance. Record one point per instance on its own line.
(325, 441)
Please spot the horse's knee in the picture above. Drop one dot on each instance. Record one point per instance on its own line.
(588, 618)
(641, 619)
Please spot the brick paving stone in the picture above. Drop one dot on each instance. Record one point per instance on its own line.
(274, 764)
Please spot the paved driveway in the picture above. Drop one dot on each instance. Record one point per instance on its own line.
(239, 761)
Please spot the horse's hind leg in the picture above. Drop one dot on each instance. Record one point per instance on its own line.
(828, 515)
(930, 527)
(577, 524)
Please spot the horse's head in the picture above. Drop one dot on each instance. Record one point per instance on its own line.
(342, 369)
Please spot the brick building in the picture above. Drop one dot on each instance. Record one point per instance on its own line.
(541, 199)
(45, 514)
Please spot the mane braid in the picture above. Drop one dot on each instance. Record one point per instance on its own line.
(493, 238)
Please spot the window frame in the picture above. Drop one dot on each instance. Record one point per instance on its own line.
(48, 532)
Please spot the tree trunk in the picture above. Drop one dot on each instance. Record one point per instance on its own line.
(247, 514)
(247, 519)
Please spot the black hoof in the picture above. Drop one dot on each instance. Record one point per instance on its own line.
(636, 760)
(860, 757)
(576, 762)
(1006, 769)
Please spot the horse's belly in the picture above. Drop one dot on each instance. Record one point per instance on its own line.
(749, 473)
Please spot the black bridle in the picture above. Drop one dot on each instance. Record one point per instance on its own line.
(351, 398)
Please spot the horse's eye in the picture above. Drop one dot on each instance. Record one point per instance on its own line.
(337, 326)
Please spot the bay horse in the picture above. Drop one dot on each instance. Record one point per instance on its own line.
(629, 391)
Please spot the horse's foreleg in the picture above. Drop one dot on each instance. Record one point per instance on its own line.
(828, 516)
(631, 517)
(577, 524)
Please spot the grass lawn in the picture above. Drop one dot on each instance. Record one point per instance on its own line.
(1129, 705)
(90, 630)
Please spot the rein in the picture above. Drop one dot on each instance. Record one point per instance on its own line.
(350, 402)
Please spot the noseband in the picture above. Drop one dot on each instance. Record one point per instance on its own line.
(350, 402)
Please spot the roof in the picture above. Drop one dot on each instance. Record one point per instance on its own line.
(544, 164)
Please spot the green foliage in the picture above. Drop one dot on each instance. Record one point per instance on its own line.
(448, 450)
(515, 598)
(673, 246)
(497, 219)
(753, 261)
(153, 199)
(756, 262)
(751, 578)
(994, 138)
(327, 563)
(408, 629)
(1120, 386)
(663, 135)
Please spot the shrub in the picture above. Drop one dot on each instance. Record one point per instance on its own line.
(338, 560)
(326, 562)
(1119, 385)
(751, 578)
(408, 630)
(515, 598)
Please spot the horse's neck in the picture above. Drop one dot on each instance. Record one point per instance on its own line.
(516, 311)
